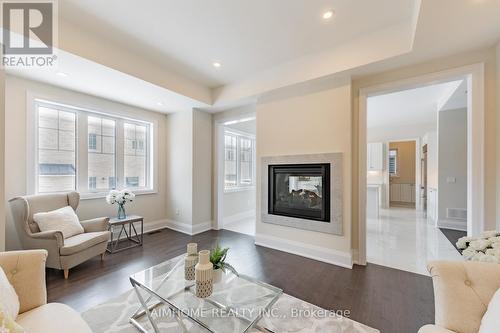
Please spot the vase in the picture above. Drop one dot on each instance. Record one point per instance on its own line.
(203, 275)
(121, 211)
(190, 261)
(217, 275)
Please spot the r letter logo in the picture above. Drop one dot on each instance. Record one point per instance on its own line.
(28, 33)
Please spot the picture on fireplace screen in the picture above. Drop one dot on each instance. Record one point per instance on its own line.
(300, 190)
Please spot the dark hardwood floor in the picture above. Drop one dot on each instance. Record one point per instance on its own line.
(453, 236)
(390, 300)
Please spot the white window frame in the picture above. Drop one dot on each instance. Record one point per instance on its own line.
(240, 186)
(82, 141)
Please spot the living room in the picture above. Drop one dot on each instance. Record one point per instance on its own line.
(129, 126)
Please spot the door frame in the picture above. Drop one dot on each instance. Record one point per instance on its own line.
(475, 142)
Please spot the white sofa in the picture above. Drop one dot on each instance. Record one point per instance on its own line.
(26, 272)
(462, 292)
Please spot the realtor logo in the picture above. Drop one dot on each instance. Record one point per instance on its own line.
(28, 33)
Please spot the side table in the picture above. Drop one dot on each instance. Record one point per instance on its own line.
(131, 235)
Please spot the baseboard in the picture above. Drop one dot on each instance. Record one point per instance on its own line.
(452, 224)
(201, 227)
(239, 217)
(188, 229)
(334, 257)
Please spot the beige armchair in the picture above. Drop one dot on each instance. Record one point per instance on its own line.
(26, 272)
(63, 253)
(462, 292)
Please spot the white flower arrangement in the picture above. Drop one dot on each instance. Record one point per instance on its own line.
(485, 248)
(120, 197)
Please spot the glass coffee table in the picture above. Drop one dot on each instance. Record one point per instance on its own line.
(237, 303)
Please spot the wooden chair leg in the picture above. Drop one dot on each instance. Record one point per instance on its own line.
(66, 274)
(102, 256)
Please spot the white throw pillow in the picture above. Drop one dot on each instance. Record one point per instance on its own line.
(9, 301)
(62, 219)
(491, 319)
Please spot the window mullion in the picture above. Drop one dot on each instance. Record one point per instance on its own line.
(238, 160)
(120, 151)
(82, 151)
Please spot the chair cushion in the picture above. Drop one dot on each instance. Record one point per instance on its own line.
(62, 219)
(9, 302)
(51, 318)
(82, 242)
(491, 319)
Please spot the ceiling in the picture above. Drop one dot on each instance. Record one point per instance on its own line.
(245, 36)
(161, 51)
(247, 126)
(92, 78)
(414, 106)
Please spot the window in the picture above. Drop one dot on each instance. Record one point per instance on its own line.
(92, 141)
(246, 161)
(230, 175)
(132, 181)
(393, 162)
(118, 151)
(92, 182)
(101, 162)
(238, 160)
(56, 150)
(135, 155)
(112, 183)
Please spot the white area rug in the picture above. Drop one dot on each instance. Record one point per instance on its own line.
(289, 315)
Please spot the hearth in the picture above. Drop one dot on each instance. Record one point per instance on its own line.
(300, 191)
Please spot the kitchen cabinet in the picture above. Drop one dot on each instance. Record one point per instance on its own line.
(375, 156)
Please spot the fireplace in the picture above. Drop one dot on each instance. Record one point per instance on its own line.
(300, 191)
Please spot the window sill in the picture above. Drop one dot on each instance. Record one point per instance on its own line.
(239, 189)
(101, 195)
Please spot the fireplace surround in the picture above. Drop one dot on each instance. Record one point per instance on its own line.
(303, 191)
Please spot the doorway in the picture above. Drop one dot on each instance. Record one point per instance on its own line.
(236, 177)
(425, 184)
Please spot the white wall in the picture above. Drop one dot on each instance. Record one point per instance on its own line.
(179, 201)
(202, 167)
(498, 134)
(430, 139)
(239, 205)
(452, 161)
(151, 206)
(397, 133)
(307, 119)
(2, 160)
(189, 171)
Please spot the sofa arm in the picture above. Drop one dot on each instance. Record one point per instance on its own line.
(26, 272)
(51, 235)
(462, 291)
(433, 329)
(94, 225)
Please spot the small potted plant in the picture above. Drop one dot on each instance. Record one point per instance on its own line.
(120, 198)
(218, 259)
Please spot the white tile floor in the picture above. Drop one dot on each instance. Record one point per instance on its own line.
(246, 227)
(401, 238)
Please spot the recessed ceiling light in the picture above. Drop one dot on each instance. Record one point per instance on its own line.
(216, 64)
(159, 104)
(328, 14)
(62, 74)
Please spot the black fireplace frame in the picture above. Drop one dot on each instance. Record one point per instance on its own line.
(318, 169)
